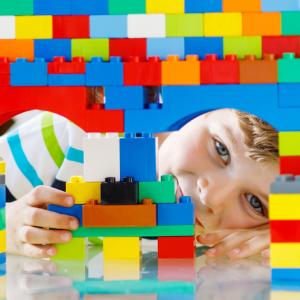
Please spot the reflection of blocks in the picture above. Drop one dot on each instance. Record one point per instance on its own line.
(34, 27)
(2, 260)
(176, 247)
(74, 250)
(286, 184)
(2, 241)
(125, 269)
(74, 211)
(121, 248)
(2, 219)
(2, 195)
(285, 255)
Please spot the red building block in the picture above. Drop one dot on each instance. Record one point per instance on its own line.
(61, 66)
(127, 48)
(278, 45)
(289, 165)
(176, 247)
(286, 231)
(146, 73)
(214, 71)
(4, 71)
(71, 27)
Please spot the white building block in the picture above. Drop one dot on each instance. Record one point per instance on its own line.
(101, 157)
(146, 26)
(7, 27)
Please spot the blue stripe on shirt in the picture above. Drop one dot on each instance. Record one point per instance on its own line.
(74, 155)
(21, 160)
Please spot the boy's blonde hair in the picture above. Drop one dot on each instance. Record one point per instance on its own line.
(260, 138)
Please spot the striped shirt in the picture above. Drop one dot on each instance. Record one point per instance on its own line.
(46, 149)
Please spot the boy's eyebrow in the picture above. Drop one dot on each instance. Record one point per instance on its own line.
(231, 138)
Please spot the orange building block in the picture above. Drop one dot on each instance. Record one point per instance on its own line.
(267, 24)
(259, 71)
(181, 72)
(138, 215)
(241, 5)
(17, 48)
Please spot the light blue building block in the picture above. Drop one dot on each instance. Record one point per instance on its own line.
(280, 5)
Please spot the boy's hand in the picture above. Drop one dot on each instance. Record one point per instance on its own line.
(237, 244)
(28, 221)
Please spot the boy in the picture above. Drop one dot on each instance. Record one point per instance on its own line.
(226, 160)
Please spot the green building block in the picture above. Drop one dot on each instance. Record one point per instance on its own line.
(120, 7)
(242, 46)
(90, 47)
(2, 219)
(16, 7)
(172, 230)
(74, 250)
(183, 25)
(290, 24)
(159, 191)
(289, 143)
(289, 68)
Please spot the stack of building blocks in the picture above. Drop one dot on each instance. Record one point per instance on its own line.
(2, 218)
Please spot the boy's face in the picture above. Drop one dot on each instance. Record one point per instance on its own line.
(208, 158)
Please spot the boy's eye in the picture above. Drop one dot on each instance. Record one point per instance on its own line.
(222, 152)
(255, 203)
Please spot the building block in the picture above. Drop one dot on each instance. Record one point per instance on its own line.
(2, 219)
(16, 7)
(122, 269)
(124, 97)
(89, 48)
(214, 71)
(60, 65)
(280, 5)
(4, 81)
(181, 213)
(121, 248)
(243, 46)
(288, 211)
(288, 94)
(73, 250)
(131, 215)
(48, 49)
(178, 25)
(54, 7)
(289, 274)
(288, 68)
(66, 80)
(242, 6)
(108, 26)
(2, 241)
(286, 184)
(163, 47)
(258, 71)
(2, 195)
(74, 211)
(25, 73)
(176, 247)
(146, 73)
(16, 48)
(71, 27)
(100, 73)
(223, 24)
(177, 72)
(289, 165)
(289, 23)
(2, 164)
(34, 27)
(192, 6)
(159, 191)
(89, 7)
(265, 24)
(166, 6)
(138, 157)
(278, 294)
(285, 231)
(83, 191)
(101, 157)
(285, 255)
(126, 48)
(123, 192)
(2, 259)
(116, 7)
(7, 27)
(289, 143)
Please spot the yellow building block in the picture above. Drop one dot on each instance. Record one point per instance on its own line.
(34, 27)
(289, 143)
(2, 168)
(121, 269)
(83, 191)
(285, 295)
(2, 241)
(223, 24)
(285, 255)
(121, 247)
(3, 287)
(284, 207)
(165, 6)
(73, 250)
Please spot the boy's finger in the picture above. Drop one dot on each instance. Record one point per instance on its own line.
(42, 195)
(47, 219)
(38, 251)
(34, 235)
(213, 238)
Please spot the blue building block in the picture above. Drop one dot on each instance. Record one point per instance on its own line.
(108, 27)
(138, 157)
(2, 195)
(203, 46)
(89, 7)
(25, 73)
(74, 211)
(47, 49)
(66, 79)
(280, 5)
(289, 94)
(286, 274)
(163, 47)
(2, 258)
(2, 268)
(196, 6)
(100, 73)
(188, 295)
(124, 97)
(53, 7)
(181, 213)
